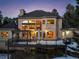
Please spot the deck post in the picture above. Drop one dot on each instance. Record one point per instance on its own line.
(38, 36)
(8, 48)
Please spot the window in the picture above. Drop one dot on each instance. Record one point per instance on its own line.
(25, 21)
(4, 35)
(36, 34)
(50, 21)
(33, 34)
(38, 22)
(43, 22)
(31, 21)
(24, 27)
(31, 27)
(50, 34)
(38, 27)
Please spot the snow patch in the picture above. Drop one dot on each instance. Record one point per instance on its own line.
(58, 42)
(70, 49)
(68, 57)
(4, 56)
(73, 45)
(42, 42)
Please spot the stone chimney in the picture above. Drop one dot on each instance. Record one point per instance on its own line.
(22, 12)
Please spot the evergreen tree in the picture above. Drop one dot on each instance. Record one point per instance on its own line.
(77, 1)
(1, 17)
(6, 20)
(69, 17)
(55, 13)
(77, 14)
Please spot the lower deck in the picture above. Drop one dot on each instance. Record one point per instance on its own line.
(35, 44)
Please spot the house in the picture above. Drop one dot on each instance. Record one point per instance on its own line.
(39, 25)
(35, 25)
(6, 32)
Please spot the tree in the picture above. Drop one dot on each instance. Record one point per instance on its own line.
(6, 20)
(69, 17)
(77, 14)
(1, 17)
(55, 13)
(77, 1)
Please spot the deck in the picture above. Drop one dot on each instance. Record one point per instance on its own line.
(22, 44)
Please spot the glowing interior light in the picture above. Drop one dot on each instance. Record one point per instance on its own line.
(46, 30)
(35, 31)
(30, 21)
(25, 21)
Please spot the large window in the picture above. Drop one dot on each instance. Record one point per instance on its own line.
(50, 34)
(4, 35)
(50, 21)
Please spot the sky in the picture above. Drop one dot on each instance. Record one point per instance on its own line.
(11, 8)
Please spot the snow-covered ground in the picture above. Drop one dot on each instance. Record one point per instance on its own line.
(58, 42)
(68, 57)
(72, 45)
(3, 56)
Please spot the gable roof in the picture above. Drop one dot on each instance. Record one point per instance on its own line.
(39, 13)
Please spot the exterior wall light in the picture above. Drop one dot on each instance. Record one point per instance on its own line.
(68, 32)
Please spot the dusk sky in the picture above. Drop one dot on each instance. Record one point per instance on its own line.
(11, 8)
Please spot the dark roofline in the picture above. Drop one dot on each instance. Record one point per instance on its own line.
(9, 25)
(39, 14)
(7, 29)
(37, 17)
